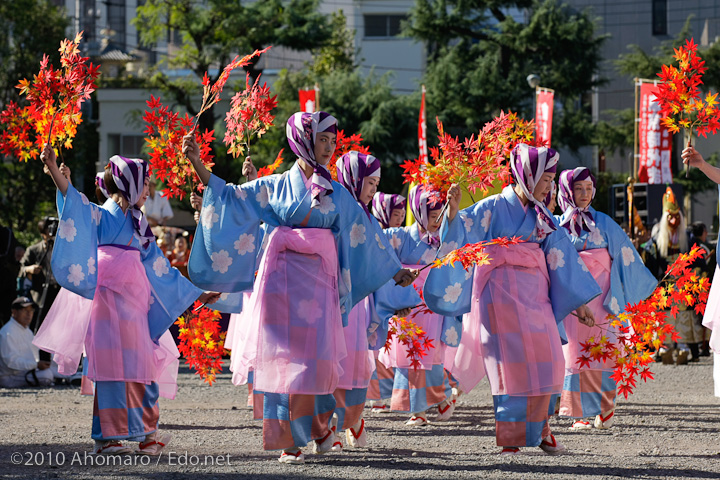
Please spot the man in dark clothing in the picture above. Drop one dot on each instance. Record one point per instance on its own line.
(35, 265)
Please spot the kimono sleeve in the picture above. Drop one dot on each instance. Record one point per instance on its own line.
(74, 259)
(228, 237)
(366, 259)
(448, 289)
(386, 300)
(571, 285)
(171, 294)
(630, 281)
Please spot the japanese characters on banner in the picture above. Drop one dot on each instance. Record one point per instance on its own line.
(544, 115)
(307, 100)
(422, 130)
(654, 140)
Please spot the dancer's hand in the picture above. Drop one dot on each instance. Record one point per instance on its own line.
(692, 157)
(208, 298)
(454, 196)
(405, 277)
(249, 169)
(65, 170)
(585, 315)
(196, 201)
(190, 148)
(403, 312)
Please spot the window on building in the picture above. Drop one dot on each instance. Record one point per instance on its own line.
(383, 25)
(125, 145)
(659, 17)
(116, 22)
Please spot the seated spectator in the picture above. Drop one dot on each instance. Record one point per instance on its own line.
(157, 208)
(178, 256)
(19, 358)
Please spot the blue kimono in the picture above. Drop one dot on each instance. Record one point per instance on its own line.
(228, 238)
(503, 215)
(224, 255)
(630, 280)
(611, 258)
(514, 327)
(84, 226)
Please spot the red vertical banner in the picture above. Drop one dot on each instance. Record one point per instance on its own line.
(544, 115)
(654, 140)
(307, 100)
(422, 130)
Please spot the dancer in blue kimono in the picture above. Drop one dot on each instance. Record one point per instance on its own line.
(515, 322)
(314, 269)
(120, 295)
(613, 261)
(359, 173)
(390, 211)
(416, 390)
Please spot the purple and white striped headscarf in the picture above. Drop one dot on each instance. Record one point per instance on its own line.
(383, 205)
(100, 183)
(301, 130)
(129, 175)
(528, 165)
(352, 170)
(578, 219)
(421, 205)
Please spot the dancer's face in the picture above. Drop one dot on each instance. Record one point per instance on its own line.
(370, 186)
(324, 147)
(543, 186)
(582, 193)
(397, 217)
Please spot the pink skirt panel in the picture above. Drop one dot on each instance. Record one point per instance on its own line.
(397, 355)
(599, 263)
(242, 352)
(511, 328)
(359, 364)
(64, 329)
(295, 330)
(112, 327)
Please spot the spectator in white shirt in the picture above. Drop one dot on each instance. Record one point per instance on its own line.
(157, 208)
(19, 358)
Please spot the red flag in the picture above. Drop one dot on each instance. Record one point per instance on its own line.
(422, 130)
(544, 115)
(307, 100)
(654, 139)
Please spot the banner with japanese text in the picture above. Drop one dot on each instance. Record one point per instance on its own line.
(544, 115)
(655, 141)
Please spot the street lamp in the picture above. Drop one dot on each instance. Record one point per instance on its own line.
(533, 80)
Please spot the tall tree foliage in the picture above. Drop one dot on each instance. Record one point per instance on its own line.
(480, 56)
(25, 192)
(214, 31)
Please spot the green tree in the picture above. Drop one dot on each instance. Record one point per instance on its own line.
(214, 31)
(480, 56)
(21, 48)
(25, 192)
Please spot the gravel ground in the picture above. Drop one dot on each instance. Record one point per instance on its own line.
(670, 428)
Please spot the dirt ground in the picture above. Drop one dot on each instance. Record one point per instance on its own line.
(670, 428)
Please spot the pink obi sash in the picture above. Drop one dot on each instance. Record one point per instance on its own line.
(599, 262)
(112, 327)
(294, 334)
(511, 326)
